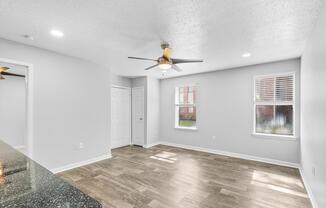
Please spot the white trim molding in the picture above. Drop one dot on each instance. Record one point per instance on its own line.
(275, 136)
(177, 105)
(29, 103)
(308, 188)
(233, 154)
(20, 148)
(152, 144)
(274, 103)
(186, 128)
(79, 164)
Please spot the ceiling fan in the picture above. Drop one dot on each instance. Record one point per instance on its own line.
(3, 72)
(166, 62)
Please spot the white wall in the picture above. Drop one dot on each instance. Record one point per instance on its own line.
(120, 80)
(153, 110)
(139, 82)
(71, 105)
(225, 110)
(313, 102)
(12, 108)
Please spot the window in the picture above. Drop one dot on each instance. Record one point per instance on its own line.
(274, 104)
(185, 107)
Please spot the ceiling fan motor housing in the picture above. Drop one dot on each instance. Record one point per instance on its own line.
(166, 62)
(165, 45)
(162, 60)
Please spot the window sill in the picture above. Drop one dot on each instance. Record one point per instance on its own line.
(276, 136)
(186, 128)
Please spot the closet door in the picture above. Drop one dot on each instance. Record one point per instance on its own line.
(138, 122)
(120, 117)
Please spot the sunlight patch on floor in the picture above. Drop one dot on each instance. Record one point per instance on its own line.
(267, 177)
(265, 180)
(164, 156)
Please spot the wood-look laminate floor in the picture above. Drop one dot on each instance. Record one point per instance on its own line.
(169, 177)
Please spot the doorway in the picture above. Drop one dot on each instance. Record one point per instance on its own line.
(16, 107)
(120, 116)
(138, 121)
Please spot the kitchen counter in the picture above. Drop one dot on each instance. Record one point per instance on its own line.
(24, 183)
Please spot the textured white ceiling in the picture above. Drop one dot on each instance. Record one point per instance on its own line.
(219, 31)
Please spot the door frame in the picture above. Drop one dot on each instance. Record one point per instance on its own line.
(144, 114)
(29, 103)
(130, 108)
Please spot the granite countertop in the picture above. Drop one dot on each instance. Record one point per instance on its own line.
(24, 183)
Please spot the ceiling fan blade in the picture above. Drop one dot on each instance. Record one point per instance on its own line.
(175, 67)
(3, 68)
(12, 74)
(139, 58)
(167, 53)
(151, 66)
(181, 61)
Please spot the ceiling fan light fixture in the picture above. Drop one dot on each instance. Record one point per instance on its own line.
(164, 66)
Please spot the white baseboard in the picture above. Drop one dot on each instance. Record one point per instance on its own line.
(232, 154)
(79, 164)
(21, 147)
(308, 188)
(152, 144)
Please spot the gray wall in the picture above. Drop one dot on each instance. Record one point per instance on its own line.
(71, 105)
(225, 110)
(313, 101)
(12, 108)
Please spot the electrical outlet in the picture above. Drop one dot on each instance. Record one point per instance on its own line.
(313, 170)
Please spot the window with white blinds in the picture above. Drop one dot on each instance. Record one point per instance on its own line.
(185, 107)
(274, 104)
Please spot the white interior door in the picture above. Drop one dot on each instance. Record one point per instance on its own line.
(138, 126)
(120, 117)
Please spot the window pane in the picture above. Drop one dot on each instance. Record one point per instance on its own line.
(191, 97)
(187, 116)
(284, 88)
(186, 95)
(181, 95)
(264, 119)
(265, 89)
(284, 120)
(281, 124)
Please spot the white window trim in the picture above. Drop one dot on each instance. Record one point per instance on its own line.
(276, 136)
(293, 103)
(186, 128)
(176, 113)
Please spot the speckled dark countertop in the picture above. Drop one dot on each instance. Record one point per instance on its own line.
(24, 183)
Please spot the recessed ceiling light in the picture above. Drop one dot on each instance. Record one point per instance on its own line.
(57, 33)
(246, 55)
